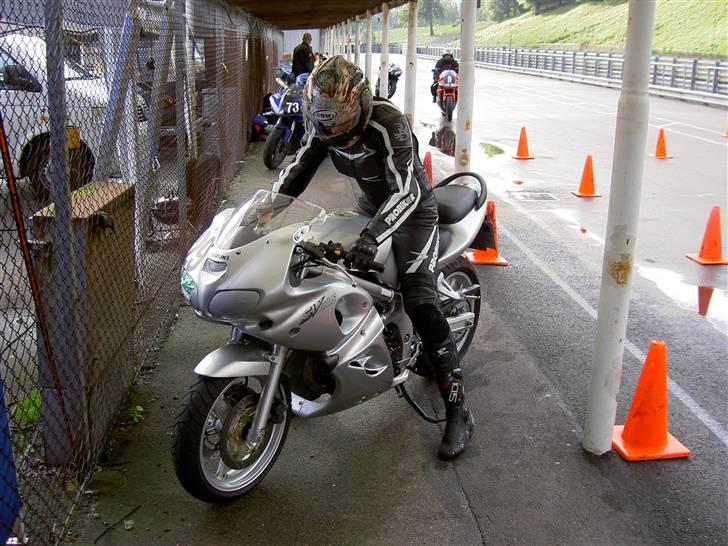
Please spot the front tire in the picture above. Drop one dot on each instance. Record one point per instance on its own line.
(210, 425)
(274, 151)
(449, 107)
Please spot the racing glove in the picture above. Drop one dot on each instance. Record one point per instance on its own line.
(362, 254)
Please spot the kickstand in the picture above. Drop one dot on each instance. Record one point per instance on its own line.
(404, 393)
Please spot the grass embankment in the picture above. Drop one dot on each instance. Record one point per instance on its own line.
(698, 27)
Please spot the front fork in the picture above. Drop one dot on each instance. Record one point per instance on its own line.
(277, 360)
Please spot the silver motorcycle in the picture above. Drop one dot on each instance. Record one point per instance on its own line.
(309, 336)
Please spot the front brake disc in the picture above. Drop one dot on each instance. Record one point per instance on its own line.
(235, 450)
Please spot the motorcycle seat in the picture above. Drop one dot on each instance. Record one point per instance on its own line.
(454, 202)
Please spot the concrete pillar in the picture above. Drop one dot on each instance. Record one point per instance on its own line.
(384, 57)
(357, 41)
(464, 122)
(368, 51)
(411, 74)
(348, 39)
(624, 202)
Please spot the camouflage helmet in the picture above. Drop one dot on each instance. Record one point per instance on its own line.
(337, 102)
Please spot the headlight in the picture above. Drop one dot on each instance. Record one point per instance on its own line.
(187, 284)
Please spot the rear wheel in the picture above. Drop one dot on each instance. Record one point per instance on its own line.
(449, 107)
(462, 278)
(212, 459)
(274, 151)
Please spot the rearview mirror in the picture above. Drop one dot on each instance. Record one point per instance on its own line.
(18, 78)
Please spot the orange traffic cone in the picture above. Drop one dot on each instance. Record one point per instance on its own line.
(661, 150)
(586, 187)
(428, 167)
(644, 437)
(490, 255)
(522, 152)
(711, 251)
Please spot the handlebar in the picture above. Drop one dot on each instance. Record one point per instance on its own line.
(483, 187)
(334, 252)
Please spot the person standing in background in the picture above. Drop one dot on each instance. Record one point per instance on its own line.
(303, 59)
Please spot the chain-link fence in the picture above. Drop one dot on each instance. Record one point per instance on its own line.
(121, 123)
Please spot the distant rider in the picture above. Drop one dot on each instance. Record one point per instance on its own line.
(446, 62)
(371, 140)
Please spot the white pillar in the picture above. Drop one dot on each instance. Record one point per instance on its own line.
(384, 57)
(338, 39)
(630, 143)
(357, 41)
(368, 51)
(348, 39)
(411, 73)
(464, 122)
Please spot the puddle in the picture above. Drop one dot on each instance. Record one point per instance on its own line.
(428, 125)
(490, 149)
(532, 195)
(444, 140)
(710, 302)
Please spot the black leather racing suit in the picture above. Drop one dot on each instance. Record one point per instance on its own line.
(397, 194)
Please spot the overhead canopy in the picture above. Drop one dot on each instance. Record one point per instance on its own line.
(310, 13)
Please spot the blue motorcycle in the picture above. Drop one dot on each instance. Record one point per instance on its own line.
(285, 138)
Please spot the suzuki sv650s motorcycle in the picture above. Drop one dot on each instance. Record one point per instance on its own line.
(285, 138)
(309, 337)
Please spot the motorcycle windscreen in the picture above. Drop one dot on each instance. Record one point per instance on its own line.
(263, 213)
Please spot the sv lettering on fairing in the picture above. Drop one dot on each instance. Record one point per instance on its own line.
(309, 313)
(396, 211)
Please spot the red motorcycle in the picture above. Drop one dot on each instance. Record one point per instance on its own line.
(447, 92)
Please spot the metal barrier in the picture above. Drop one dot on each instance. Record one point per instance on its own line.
(122, 122)
(698, 80)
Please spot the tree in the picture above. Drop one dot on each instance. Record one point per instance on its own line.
(539, 6)
(500, 10)
(430, 9)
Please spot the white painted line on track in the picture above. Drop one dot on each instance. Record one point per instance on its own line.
(676, 390)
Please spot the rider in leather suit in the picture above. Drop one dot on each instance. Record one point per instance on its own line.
(446, 62)
(370, 140)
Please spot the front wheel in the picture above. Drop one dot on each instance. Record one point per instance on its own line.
(449, 107)
(212, 459)
(274, 151)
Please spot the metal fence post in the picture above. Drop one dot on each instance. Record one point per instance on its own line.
(609, 67)
(716, 77)
(180, 57)
(655, 60)
(693, 74)
(67, 331)
(624, 203)
(573, 62)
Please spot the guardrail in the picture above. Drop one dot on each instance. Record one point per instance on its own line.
(696, 80)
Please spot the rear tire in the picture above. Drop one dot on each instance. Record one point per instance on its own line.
(460, 274)
(274, 151)
(449, 107)
(200, 418)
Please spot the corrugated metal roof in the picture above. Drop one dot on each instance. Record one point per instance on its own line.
(310, 13)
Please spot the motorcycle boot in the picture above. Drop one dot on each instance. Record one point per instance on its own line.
(459, 425)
